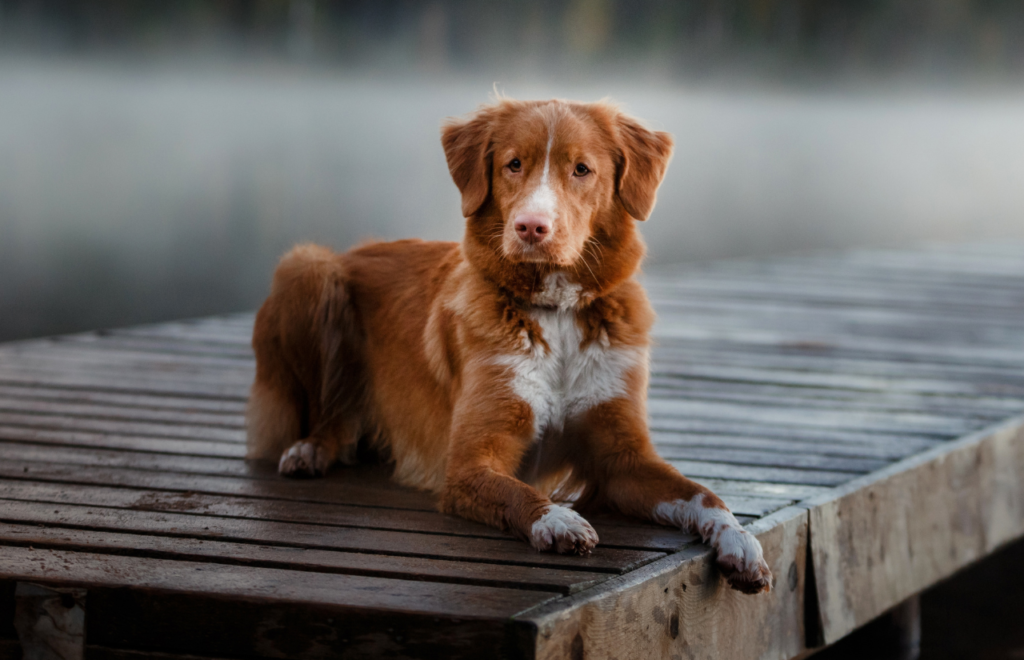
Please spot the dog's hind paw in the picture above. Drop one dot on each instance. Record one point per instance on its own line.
(304, 459)
(563, 530)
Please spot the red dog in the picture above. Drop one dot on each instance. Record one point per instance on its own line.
(504, 369)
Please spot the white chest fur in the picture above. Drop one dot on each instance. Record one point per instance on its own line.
(563, 379)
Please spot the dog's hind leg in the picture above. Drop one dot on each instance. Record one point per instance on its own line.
(302, 408)
(272, 420)
(277, 411)
(329, 444)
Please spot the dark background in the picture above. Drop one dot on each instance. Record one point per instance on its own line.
(156, 157)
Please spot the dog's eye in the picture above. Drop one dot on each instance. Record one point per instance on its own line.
(515, 165)
(581, 170)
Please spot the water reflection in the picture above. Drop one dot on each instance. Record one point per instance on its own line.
(130, 194)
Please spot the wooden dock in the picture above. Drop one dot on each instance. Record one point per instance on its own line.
(861, 412)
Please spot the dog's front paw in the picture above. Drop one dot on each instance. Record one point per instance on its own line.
(741, 561)
(563, 530)
(304, 459)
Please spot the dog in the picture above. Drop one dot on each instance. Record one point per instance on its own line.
(505, 373)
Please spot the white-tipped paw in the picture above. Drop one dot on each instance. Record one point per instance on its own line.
(741, 561)
(303, 459)
(563, 530)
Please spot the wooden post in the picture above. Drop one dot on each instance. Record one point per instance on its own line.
(50, 622)
(895, 635)
(905, 624)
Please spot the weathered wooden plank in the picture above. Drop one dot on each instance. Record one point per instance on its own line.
(754, 506)
(671, 328)
(487, 550)
(999, 344)
(178, 607)
(336, 486)
(794, 492)
(828, 419)
(800, 378)
(666, 385)
(680, 607)
(74, 358)
(770, 459)
(765, 474)
(153, 345)
(365, 485)
(932, 286)
(218, 443)
(744, 498)
(812, 456)
(971, 396)
(123, 432)
(920, 304)
(723, 395)
(105, 355)
(133, 384)
(881, 450)
(115, 412)
(253, 508)
(198, 335)
(364, 515)
(795, 290)
(866, 284)
(802, 354)
(878, 540)
(372, 501)
(872, 267)
(60, 439)
(220, 323)
(741, 427)
(931, 325)
(119, 427)
(299, 559)
(144, 373)
(919, 264)
(140, 401)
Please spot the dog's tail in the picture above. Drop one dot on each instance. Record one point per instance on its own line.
(306, 341)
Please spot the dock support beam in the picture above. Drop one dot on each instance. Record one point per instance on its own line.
(904, 626)
(895, 635)
(50, 622)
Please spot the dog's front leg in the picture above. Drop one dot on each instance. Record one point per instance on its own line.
(491, 432)
(479, 491)
(625, 472)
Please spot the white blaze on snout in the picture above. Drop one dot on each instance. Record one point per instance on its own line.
(542, 201)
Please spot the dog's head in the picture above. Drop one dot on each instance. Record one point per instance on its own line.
(542, 179)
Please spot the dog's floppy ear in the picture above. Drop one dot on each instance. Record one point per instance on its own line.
(644, 158)
(467, 146)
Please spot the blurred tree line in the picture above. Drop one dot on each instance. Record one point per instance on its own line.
(667, 36)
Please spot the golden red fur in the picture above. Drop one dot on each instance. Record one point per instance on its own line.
(504, 369)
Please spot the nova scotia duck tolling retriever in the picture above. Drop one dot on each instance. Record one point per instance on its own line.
(506, 373)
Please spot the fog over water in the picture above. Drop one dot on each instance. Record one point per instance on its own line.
(130, 194)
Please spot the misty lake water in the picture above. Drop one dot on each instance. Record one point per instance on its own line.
(131, 194)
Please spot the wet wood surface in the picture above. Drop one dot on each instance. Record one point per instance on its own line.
(778, 383)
